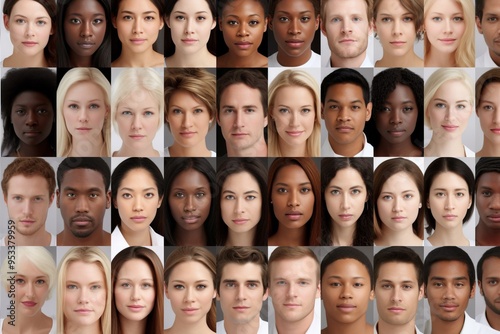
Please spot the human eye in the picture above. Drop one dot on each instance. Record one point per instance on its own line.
(492, 19)
(306, 110)
(41, 111)
(250, 197)
(438, 284)
(386, 286)
(179, 195)
(303, 283)
(252, 285)
(333, 107)
(407, 19)
(17, 198)
(460, 284)
(486, 193)
(201, 287)
(73, 106)
(439, 194)
(460, 194)
(232, 22)
(387, 197)
(458, 19)
(200, 194)
(228, 110)
(283, 19)
(358, 285)
(356, 191)
(97, 21)
(492, 282)
(176, 111)
(407, 287)
(357, 19)
(38, 199)
(148, 113)
(407, 109)
(440, 105)
(71, 287)
(305, 190)
(70, 195)
(41, 22)
(437, 19)
(335, 284)
(253, 23)
(488, 107)
(20, 21)
(230, 285)
(127, 18)
(149, 195)
(74, 21)
(385, 109)
(355, 107)
(305, 18)
(408, 196)
(336, 19)
(282, 282)
(250, 110)
(94, 106)
(93, 195)
(386, 19)
(178, 287)
(20, 112)
(20, 281)
(149, 18)
(125, 285)
(335, 192)
(229, 197)
(147, 285)
(281, 190)
(180, 17)
(283, 110)
(461, 106)
(95, 287)
(198, 111)
(126, 113)
(40, 282)
(201, 18)
(126, 195)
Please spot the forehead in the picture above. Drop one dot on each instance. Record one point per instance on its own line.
(246, 271)
(345, 7)
(391, 270)
(18, 182)
(241, 92)
(449, 269)
(82, 178)
(85, 7)
(347, 268)
(347, 91)
(291, 174)
(491, 267)
(489, 180)
(290, 268)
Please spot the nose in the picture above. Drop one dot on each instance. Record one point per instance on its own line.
(187, 120)
(137, 204)
(449, 203)
(189, 204)
(240, 293)
(137, 26)
(293, 199)
(395, 117)
(83, 296)
(137, 122)
(83, 115)
(345, 202)
(86, 29)
(448, 113)
(27, 208)
(449, 292)
(135, 294)
(496, 116)
(495, 202)
(396, 28)
(396, 295)
(448, 29)
(189, 27)
(346, 292)
(343, 115)
(30, 29)
(82, 204)
(242, 30)
(31, 118)
(294, 119)
(30, 292)
(238, 120)
(294, 27)
(292, 290)
(189, 295)
(346, 26)
(397, 205)
(239, 207)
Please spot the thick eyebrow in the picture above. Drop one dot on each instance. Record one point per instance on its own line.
(337, 187)
(443, 189)
(200, 12)
(246, 192)
(198, 188)
(143, 13)
(79, 14)
(94, 189)
(234, 15)
(287, 13)
(439, 278)
(40, 17)
(486, 101)
(294, 279)
(335, 101)
(404, 14)
(231, 280)
(492, 277)
(389, 281)
(403, 192)
(341, 277)
(286, 184)
(130, 189)
(244, 107)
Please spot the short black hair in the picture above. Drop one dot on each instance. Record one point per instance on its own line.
(486, 165)
(449, 253)
(399, 254)
(479, 9)
(97, 164)
(345, 76)
(492, 252)
(345, 252)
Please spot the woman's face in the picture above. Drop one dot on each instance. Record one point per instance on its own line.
(449, 110)
(444, 25)
(345, 197)
(84, 27)
(294, 115)
(135, 290)
(32, 117)
(243, 24)
(399, 202)
(241, 202)
(397, 118)
(488, 111)
(30, 27)
(84, 296)
(292, 197)
(189, 199)
(84, 110)
(189, 119)
(137, 200)
(449, 199)
(191, 290)
(191, 22)
(138, 23)
(32, 288)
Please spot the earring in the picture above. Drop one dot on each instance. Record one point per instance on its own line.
(419, 205)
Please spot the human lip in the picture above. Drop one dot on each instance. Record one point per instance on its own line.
(495, 131)
(29, 43)
(448, 307)
(294, 215)
(291, 305)
(138, 41)
(345, 216)
(396, 132)
(347, 40)
(137, 136)
(240, 221)
(135, 308)
(83, 311)
(189, 41)
(138, 219)
(187, 134)
(27, 221)
(396, 309)
(190, 219)
(450, 217)
(398, 43)
(294, 133)
(447, 40)
(449, 127)
(398, 218)
(189, 310)
(346, 307)
(294, 43)
(31, 133)
(494, 218)
(344, 129)
(85, 44)
(81, 220)
(83, 129)
(29, 303)
(239, 134)
(240, 308)
(244, 45)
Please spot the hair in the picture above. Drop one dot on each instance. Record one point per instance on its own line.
(172, 170)
(20, 80)
(449, 253)
(197, 254)
(294, 253)
(96, 164)
(490, 253)
(486, 165)
(49, 51)
(39, 256)
(101, 57)
(242, 256)
(273, 3)
(464, 54)
(89, 255)
(252, 78)
(479, 9)
(154, 322)
(198, 82)
(121, 171)
(399, 254)
(73, 77)
(440, 77)
(414, 7)
(446, 165)
(258, 171)
(383, 84)
(382, 173)
(369, 9)
(221, 4)
(295, 78)
(29, 167)
(345, 76)
(363, 233)
(313, 226)
(491, 76)
(345, 252)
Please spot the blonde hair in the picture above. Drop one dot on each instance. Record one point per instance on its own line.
(437, 79)
(71, 78)
(464, 54)
(295, 78)
(93, 255)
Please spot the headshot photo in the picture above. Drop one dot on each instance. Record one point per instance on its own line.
(487, 272)
(487, 48)
(487, 104)
(487, 189)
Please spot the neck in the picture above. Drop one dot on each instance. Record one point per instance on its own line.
(200, 150)
(133, 59)
(410, 59)
(240, 239)
(359, 326)
(136, 238)
(89, 148)
(39, 238)
(348, 150)
(202, 58)
(82, 329)
(287, 61)
(450, 236)
(250, 327)
(445, 147)
(190, 238)
(79, 61)
(233, 60)
(449, 327)
(189, 327)
(18, 59)
(22, 324)
(343, 235)
(404, 237)
(493, 319)
(486, 236)
(291, 236)
(132, 327)
(125, 151)
(259, 149)
(386, 149)
(97, 238)
(434, 58)
(385, 328)
(41, 150)
(347, 62)
(291, 150)
(294, 327)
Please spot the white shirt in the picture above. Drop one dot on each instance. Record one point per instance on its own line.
(485, 60)
(417, 331)
(166, 153)
(52, 330)
(470, 327)
(3, 242)
(484, 321)
(263, 329)
(314, 61)
(366, 152)
(118, 242)
(469, 153)
(366, 62)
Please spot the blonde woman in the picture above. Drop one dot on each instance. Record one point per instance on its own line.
(83, 111)
(294, 109)
(449, 33)
(137, 111)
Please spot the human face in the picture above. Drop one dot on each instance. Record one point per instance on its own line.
(448, 290)
(84, 296)
(395, 27)
(294, 288)
(84, 27)
(449, 110)
(241, 292)
(294, 114)
(243, 24)
(30, 27)
(83, 201)
(32, 288)
(191, 22)
(399, 202)
(28, 201)
(138, 23)
(292, 197)
(346, 27)
(191, 290)
(189, 199)
(294, 24)
(32, 117)
(449, 199)
(346, 291)
(138, 117)
(397, 293)
(397, 118)
(241, 117)
(345, 197)
(489, 26)
(489, 113)
(444, 25)
(137, 200)
(488, 199)
(488, 284)
(189, 119)
(84, 111)
(134, 290)
(241, 202)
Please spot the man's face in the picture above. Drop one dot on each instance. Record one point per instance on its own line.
(488, 199)
(397, 293)
(28, 201)
(83, 201)
(241, 292)
(293, 288)
(489, 284)
(448, 290)
(489, 26)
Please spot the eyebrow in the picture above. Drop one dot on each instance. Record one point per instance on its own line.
(404, 191)
(288, 13)
(243, 15)
(404, 14)
(81, 101)
(200, 12)
(130, 189)
(389, 281)
(246, 192)
(69, 188)
(232, 280)
(333, 100)
(133, 13)
(246, 106)
(341, 277)
(438, 13)
(485, 101)
(79, 283)
(439, 278)
(39, 17)
(438, 99)
(305, 105)
(443, 189)
(337, 187)
(198, 188)
(195, 107)
(286, 184)
(181, 281)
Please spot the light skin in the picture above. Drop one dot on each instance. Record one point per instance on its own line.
(489, 27)
(488, 208)
(488, 286)
(489, 118)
